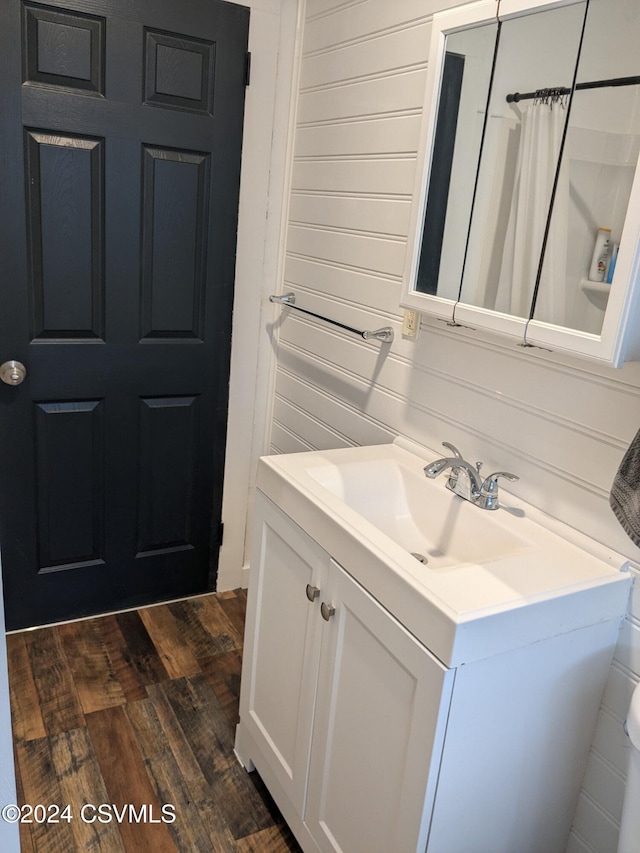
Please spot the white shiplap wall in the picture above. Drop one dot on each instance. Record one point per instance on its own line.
(561, 424)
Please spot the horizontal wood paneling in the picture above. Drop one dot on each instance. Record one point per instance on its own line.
(332, 280)
(379, 216)
(371, 176)
(596, 826)
(562, 424)
(284, 441)
(353, 250)
(316, 432)
(604, 785)
(356, 23)
(328, 408)
(381, 54)
(577, 844)
(360, 136)
(395, 93)
(320, 8)
(611, 741)
(628, 649)
(620, 686)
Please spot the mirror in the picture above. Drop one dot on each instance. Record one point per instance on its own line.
(597, 171)
(523, 161)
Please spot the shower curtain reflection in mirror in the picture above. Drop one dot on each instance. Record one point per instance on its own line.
(542, 126)
(521, 147)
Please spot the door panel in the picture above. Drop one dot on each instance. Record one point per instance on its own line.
(70, 515)
(61, 48)
(174, 242)
(122, 130)
(65, 180)
(167, 473)
(179, 72)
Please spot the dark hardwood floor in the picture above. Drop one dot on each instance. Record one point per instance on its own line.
(138, 708)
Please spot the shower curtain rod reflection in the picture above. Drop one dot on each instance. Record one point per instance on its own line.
(563, 90)
(289, 300)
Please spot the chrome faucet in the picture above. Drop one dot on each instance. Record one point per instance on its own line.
(465, 480)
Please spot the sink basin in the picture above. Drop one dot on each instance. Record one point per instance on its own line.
(421, 517)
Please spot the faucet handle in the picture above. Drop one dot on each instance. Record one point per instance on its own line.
(453, 449)
(491, 482)
(488, 496)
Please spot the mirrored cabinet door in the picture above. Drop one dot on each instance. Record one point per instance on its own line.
(588, 257)
(524, 128)
(462, 106)
(460, 63)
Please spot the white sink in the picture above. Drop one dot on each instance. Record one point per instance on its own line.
(416, 513)
(493, 579)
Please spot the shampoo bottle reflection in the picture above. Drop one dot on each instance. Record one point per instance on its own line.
(612, 263)
(598, 266)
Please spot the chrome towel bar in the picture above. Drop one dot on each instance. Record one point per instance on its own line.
(289, 300)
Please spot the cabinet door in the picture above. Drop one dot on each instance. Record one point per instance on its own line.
(282, 646)
(381, 712)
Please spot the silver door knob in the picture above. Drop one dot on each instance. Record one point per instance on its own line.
(12, 372)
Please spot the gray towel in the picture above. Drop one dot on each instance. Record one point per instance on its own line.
(625, 491)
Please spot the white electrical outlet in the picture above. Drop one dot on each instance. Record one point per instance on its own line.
(410, 324)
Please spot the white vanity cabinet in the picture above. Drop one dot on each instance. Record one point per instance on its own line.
(370, 744)
(342, 711)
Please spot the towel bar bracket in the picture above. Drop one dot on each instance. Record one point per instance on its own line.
(284, 298)
(289, 300)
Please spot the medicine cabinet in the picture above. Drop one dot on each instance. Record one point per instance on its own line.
(529, 146)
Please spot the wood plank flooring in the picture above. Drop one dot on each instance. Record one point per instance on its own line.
(138, 708)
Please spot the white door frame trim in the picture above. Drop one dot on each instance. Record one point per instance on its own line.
(275, 42)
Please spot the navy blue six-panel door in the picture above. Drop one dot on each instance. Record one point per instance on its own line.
(121, 132)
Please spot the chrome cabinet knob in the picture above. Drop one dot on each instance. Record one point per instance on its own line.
(312, 592)
(13, 372)
(327, 611)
